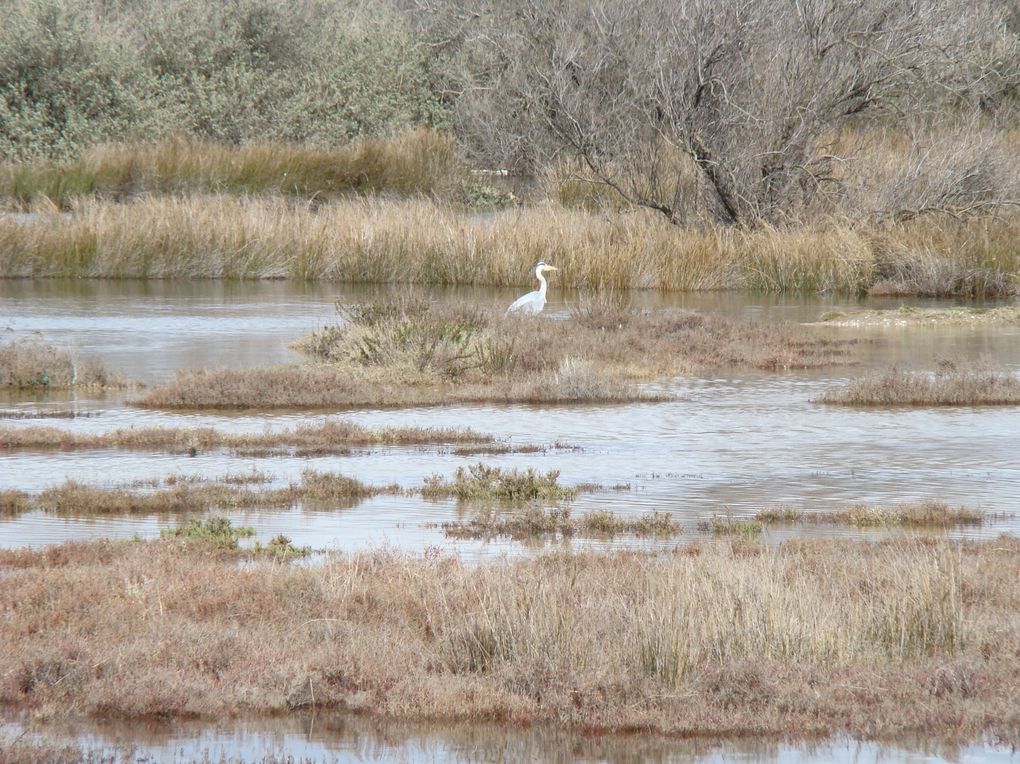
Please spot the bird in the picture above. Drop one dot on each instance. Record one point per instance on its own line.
(533, 302)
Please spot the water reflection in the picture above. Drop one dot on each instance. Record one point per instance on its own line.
(345, 738)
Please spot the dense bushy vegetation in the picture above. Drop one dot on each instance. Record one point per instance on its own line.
(322, 72)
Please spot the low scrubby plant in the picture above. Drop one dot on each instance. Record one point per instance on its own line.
(480, 482)
(215, 532)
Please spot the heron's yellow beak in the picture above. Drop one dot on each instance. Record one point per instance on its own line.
(550, 268)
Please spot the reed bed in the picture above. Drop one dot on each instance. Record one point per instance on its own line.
(430, 242)
(32, 364)
(333, 436)
(713, 639)
(948, 386)
(413, 163)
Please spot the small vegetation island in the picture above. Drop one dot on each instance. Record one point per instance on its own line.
(849, 170)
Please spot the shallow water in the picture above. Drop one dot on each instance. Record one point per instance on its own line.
(345, 738)
(727, 443)
(732, 442)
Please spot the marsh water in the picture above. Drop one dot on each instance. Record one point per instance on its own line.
(725, 443)
(345, 739)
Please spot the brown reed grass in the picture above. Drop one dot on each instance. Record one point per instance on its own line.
(716, 639)
(417, 162)
(948, 386)
(430, 242)
(333, 436)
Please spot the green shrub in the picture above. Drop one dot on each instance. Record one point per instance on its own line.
(322, 72)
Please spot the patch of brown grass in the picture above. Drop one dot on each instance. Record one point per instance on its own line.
(728, 525)
(415, 352)
(184, 496)
(778, 514)
(416, 162)
(532, 521)
(922, 514)
(925, 514)
(334, 436)
(948, 386)
(910, 635)
(37, 365)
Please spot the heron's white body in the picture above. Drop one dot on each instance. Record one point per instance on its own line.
(533, 302)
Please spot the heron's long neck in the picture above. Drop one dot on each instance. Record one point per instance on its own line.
(541, 280)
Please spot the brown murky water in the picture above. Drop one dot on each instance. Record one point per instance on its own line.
(728, 443)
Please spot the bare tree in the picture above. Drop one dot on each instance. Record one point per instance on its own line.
(746, 96)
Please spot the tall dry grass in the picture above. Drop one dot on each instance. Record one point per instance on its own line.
(430, 242)
(716, 639)
(416, 162)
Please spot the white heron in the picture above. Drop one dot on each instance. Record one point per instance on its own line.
(533, 302)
